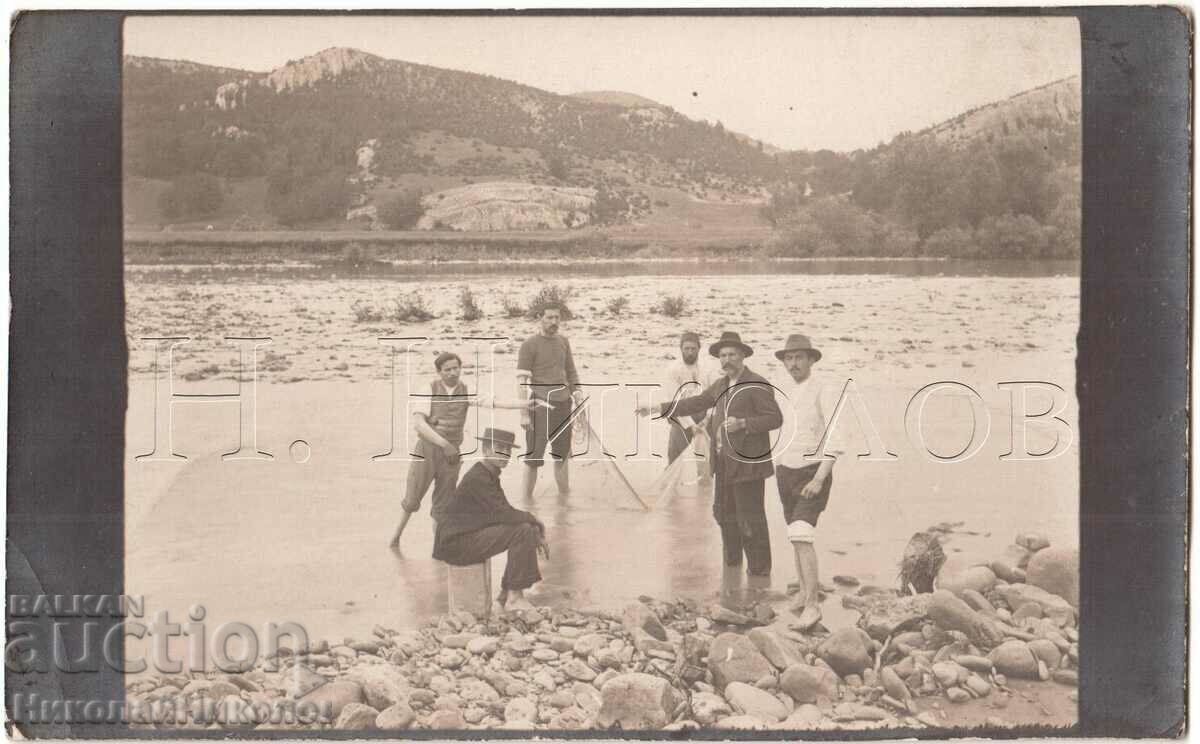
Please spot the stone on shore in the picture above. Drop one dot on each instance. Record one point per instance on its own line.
(356, 717)
(734, 658)
(770, 644)
(447, 719)
(1046, 651)
(1053, 606)
(395, 718)
(638, 615)
(1032, 541)
(883, 615)
(952, 613)
(1014, 659)
(1010, 565)
(637, 701)
(958, 580)
(846, 651)
(751, 701)
(383, 685)
(708, 708)
(520, 709)
(337, 695)
(1057, 571)
(808, 684)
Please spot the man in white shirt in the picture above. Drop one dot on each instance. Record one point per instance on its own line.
(686, 378)
(804, 482)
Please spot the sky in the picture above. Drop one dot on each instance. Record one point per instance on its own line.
(839, 83)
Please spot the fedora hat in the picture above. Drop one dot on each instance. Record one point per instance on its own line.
(729, 338)
(500, 439)
(798, 342)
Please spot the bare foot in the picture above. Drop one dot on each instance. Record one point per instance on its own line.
(519, 604)
(809, 617)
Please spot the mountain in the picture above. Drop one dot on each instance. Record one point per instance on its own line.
(1047, 107)
(617, 98)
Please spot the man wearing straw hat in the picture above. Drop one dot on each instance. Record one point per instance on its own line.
(804, 479)
(744, 411)
(477, 522)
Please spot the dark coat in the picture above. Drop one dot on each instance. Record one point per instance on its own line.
(742, 455)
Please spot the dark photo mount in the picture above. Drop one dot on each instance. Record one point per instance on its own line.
(68, 356)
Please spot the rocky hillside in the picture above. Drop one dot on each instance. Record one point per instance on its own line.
(1052, 106)
(496, 206)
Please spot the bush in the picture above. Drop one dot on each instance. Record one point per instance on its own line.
(550, 294)
(950, 242)
(191, 196)
(511, 309)
(402, 211)
(471, 310)
(293, 199)
(617, 304)
(364, 313)
(411, 309)
(671, 306)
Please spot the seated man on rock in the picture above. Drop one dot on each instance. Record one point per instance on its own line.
(478, 522)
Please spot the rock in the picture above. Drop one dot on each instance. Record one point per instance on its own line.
(1045, 650)
(356, 717)
(978, 685)
(808, 684)
(804, 716)
(421, 697)
(978, 578)
(337, 695)
(560, 699)
(544, 679)
(766, 682)
(1066, 677)
(638, 615)
(849, 581)
(1057, 571)
(483, 646)
(1009, 564)
(520, 709)
(977, 602)
(637, 701)
(576, 669)
(586, 697)
(1043, 672)
(478, 691)
(1027, 611)
(778, 651)
(220, 688)
(589, 644)
(884, 615)
(500, 205)
(444, 720)
(1052, 605)
(893, 685)
(719, 614)
(958, 695)
(980, 664)
(570, 719)
(929, 718)
(952, 613)
(708, 708)
(946, 673)
(383, 685)
(734, 658)
(853, 680)
(449, 701)
(748, 700)
(395, 717)
(448, 658)
(545, 654)
(745, 723)
(561, 644)
(845, 652)
(1032, 541)
(365, 647)
(859, 712)
(1013, 658)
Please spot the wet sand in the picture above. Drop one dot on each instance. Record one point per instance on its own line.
(307, 542)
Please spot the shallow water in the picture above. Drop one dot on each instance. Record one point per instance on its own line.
(287, 541)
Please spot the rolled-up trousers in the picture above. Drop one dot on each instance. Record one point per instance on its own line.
(739, 510)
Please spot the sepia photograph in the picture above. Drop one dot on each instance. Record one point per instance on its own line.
(602, 373)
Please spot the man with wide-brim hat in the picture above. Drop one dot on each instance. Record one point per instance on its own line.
(804, 465)
(478, 523)
(744, 411)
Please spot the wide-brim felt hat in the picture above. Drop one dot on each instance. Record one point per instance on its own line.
(729, 338)
(798, 342)
(500, 439)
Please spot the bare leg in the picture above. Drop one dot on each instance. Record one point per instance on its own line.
(529, 481)
(798, 586)
(806, 557)
(562, 476)
(395, 543)
(517, 601)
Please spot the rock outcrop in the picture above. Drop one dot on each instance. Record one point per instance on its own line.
(502, 205)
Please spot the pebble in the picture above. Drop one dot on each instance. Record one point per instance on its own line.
(576, 669)
(958, 695)
(483, 646)
(545, 654)
(443, 720)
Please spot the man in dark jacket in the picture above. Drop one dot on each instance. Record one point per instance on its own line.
(478, 522)
(744, 411)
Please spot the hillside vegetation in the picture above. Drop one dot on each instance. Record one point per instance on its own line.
(337, 139)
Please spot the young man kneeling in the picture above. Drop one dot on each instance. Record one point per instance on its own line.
(478, 523)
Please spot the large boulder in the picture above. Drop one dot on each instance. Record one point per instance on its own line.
(1053, 606)
(639, 616)
(846, 651)
(397, 717)
(1057, 571)
(637, 701)
(957, 580)
(952, 613)
(734, 658)
(778, 651)
(1010, 565)
(383, 685)
(883, 615)
(1014, 659)
(808, 684)
(751, 701)
(356, 717)
(708, 708)
(337, 695)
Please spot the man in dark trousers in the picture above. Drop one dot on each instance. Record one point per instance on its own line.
(478, 522)
(743, 412)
